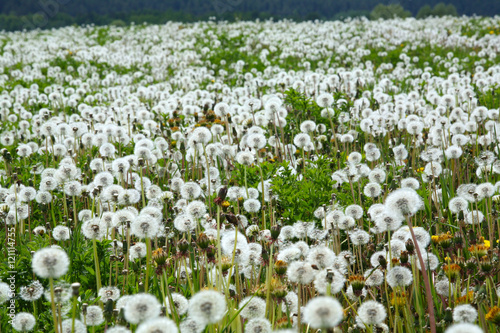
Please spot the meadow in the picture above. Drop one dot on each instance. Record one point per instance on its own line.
(252, 177)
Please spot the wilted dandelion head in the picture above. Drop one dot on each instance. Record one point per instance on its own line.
(50, 262)
(323, 312)
(62, 293)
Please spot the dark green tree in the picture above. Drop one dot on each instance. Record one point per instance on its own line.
(425, 11)
(388, 12)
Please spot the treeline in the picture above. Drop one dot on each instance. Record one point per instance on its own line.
(29, 14)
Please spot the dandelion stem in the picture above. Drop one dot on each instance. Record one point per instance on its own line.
(428, 295)
(96, 263)
(53, 304)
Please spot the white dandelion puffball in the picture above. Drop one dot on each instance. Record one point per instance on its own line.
(323, 312)
(5, 293)
(141, 307)
(258, 325)
(372, 313)
(117, 329)
(253, 307)
(300, 272)
(399, 277)
(50, 262)
(464, 313)
(464, 328)
(157, 325)
(23, 322)
(207, 305)
(95, 316)
(68, 324)
(179, 302)
(405, 201)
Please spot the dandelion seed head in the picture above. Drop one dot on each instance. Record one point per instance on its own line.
(464, 328)
(23, 322)
(67, 326)
(158, 325)
(323, 312)
(110, 292)
(252, 307)
(32, 292)
(464, 313)
(94, 316)
(179, 302)
(300, 272)
(50, 262)
(399, 277)
(258, 325)
(207, 305)
(141, 307)
(372, 312)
